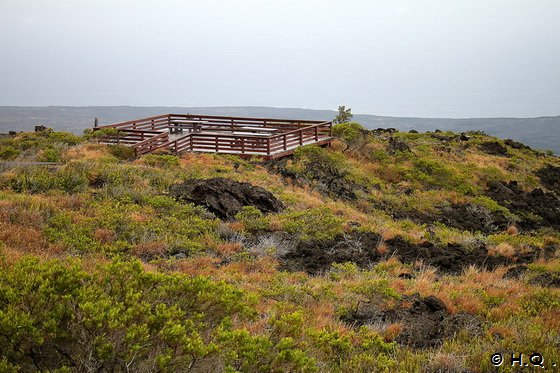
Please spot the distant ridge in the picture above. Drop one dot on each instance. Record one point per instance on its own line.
(541, 132)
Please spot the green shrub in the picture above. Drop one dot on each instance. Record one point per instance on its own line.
(252, 218)
(351, 132)
(540, 301)
(70, 178)
(435, 174)
(101, 133)
(161, 160)
(9, 153)
(122, 152)
(312, 224)
(316, 154)
(54, 315)
(243, 352)
(50, 155)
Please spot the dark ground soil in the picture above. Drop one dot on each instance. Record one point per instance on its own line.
(395, 146)
(550, 177)
(535, 208)
(516, 145)
(547, 279)
(468, 217)
(453, 258)
(494, 148)
(325, 178)
(315, 257)
(516, 271)
(426, 321)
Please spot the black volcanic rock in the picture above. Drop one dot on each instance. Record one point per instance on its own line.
(426, 321)
(315, 257)
(225, 197)
(494, 148)
(516, 144)
(396, 145)
(536, 208)
(466, 217)
(550, 177)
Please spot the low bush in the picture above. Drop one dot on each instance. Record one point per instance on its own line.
(312, 224)
(56, 316)
(9, 153)
(351, 132)
(161, 160)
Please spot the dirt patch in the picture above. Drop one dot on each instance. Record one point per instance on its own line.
(426, 321)
(471, 217)
(465, 217)
(535, 208)
(453, 258)
(550, 177)
(225, 197)
(546, 279)
(444, 138)
(395, 146)
(323, 177)
(516, 145)
(516, 272)
(315, 257)
(494, 148)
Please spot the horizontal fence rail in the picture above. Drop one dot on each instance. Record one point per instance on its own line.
(210, 133)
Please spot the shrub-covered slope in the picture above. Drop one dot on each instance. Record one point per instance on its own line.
(388, 251)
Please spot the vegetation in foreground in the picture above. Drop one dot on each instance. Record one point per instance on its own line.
(382, 234)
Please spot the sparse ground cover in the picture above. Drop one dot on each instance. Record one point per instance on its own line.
(391, 252)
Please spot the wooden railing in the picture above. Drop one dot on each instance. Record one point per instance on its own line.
(299, 137)
(151, 144)
(210, 133)
(129, 136)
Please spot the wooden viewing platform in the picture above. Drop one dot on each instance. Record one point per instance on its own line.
(270, 138)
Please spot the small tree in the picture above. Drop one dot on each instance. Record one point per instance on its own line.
(344, 115)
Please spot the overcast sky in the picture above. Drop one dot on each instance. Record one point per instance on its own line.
(428, 58)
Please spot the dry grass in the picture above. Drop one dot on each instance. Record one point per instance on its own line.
(202, 266)
(446, 362)
(149, 250)
(322, 314)
(87, 151)
(502, 332)
(512, 230)
(388, 233)
(27, 239)
(503, 249)
(469, 303)
(382, 248)
(227, 249)
(392, 331)
(104, 235)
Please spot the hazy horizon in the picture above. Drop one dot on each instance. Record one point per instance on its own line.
(426, 58)
(334, 111)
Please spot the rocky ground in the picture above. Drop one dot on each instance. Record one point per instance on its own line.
(387, 251)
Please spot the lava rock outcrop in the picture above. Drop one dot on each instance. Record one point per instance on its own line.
(225, 197)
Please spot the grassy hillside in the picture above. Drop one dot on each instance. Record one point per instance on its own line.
(393, 252)
(540, 133)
